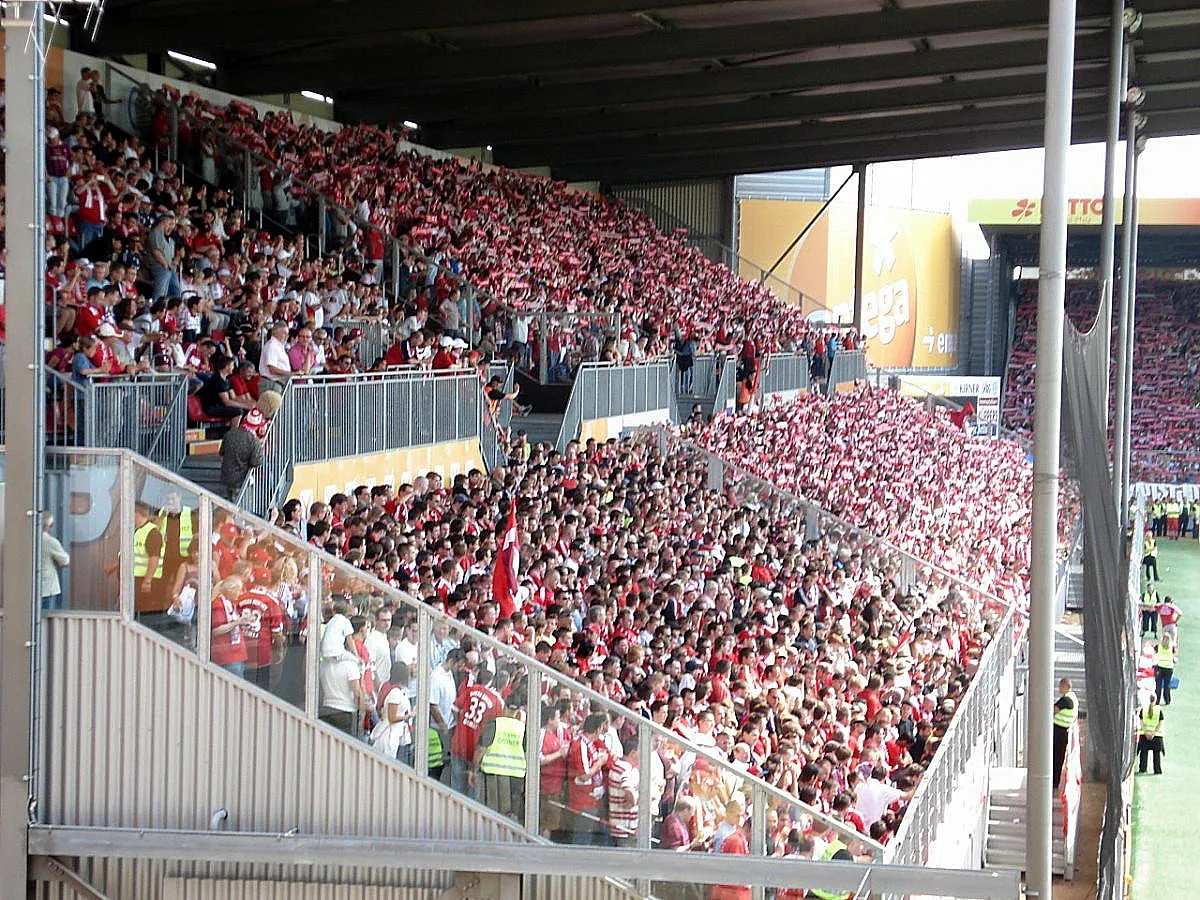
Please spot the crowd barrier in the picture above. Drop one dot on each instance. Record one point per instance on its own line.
(375, 340)
(610, 391)
(325, 417)
(143, 413)
(849, 367)
(294, 667)
(783, 373)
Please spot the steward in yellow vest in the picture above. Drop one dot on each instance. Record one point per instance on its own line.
(500, 761)
(1150, 737)
(834, 850)
(1066, 711)
(1164, 670)
(150, 594)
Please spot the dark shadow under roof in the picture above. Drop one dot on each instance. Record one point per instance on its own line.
(618, 91)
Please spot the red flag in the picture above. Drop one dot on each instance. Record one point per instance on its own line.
(504, 576)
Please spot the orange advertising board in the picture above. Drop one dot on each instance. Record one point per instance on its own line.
(1082, 211)
(910, 278)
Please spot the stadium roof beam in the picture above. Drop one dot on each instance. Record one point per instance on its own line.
(760, 111)
(695, 44)
(132, 27)
(1000, 56)
(846, 152)
(910, 124)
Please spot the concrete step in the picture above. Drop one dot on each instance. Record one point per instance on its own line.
(538, 427)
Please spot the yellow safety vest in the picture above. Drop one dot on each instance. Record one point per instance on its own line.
(1149, 600)
(1151, 719)
(1065, 718)
(437, 755)
(141, 558)
(1150, 548)
(506, 755)
(185, 528)
(835, 847)
(1164, 657)
(1172, 509)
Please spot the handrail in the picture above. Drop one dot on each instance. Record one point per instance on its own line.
(428, 616)
(586, 385)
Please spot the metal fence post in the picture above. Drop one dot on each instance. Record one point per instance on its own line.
(312, 646)
(533, 762)
(321, 224)
(396, 261)
(421, 727)
(247, 175)
(204, 594)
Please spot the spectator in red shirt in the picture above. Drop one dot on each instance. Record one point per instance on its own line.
(585, 786)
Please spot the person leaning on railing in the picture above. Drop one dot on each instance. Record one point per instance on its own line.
(242, 447)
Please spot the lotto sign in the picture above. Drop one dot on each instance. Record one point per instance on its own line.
(1026, 211)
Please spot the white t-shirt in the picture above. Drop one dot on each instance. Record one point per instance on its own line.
(274, 355)
(443, 692)
(337, 684)
(333, 641)
(874, 797)
(388, 737)
(380, 652)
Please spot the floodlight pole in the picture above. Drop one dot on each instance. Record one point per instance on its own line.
(1117, 75)
(1124, 334)
(1047, 428)
(25, 159)
(1130, 299)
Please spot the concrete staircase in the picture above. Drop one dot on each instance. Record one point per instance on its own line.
(1005, 847)
(1068, 660)
(202, 465)
(538, 427)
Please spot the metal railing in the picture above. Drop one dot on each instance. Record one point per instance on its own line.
(294, 668)
(783, 373)
(611, 390)
(375, 340)
(725, 398)
(144, 413)
(325, 417)
(849, 366)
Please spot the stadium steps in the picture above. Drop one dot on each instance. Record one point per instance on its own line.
(1075, 589)
(203, 470)
(1068, 660)
(1005, 848)
(538, 427)
(685, 402)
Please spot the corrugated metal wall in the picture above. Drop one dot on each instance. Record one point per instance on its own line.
(799, 184)
(138, 733)
(704, 207)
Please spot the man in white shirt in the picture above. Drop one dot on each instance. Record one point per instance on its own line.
(379, 649)
(274, 363)
(874, 797)
(337, 629)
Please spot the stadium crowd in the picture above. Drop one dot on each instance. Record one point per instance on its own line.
(810, 663)
(803, 662)
(1166, 402)
(908, 474)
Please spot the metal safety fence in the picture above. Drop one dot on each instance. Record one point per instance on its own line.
(783, 373)
(375, 336)
(611, 390)
(144, 413)
(324, 417)
(848, 367)
(663, 770)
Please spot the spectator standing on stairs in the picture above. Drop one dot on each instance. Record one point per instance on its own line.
(1066, 711)
(685, 357)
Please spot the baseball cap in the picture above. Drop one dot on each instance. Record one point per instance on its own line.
(107, 331)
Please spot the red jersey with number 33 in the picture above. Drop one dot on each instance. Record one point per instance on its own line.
(476, 707)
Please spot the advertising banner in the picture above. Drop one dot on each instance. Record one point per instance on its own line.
(983, 395)
(910, 278)
(1025, 211)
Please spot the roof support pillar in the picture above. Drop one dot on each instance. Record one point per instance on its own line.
(1047, 429)
(860, 235)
